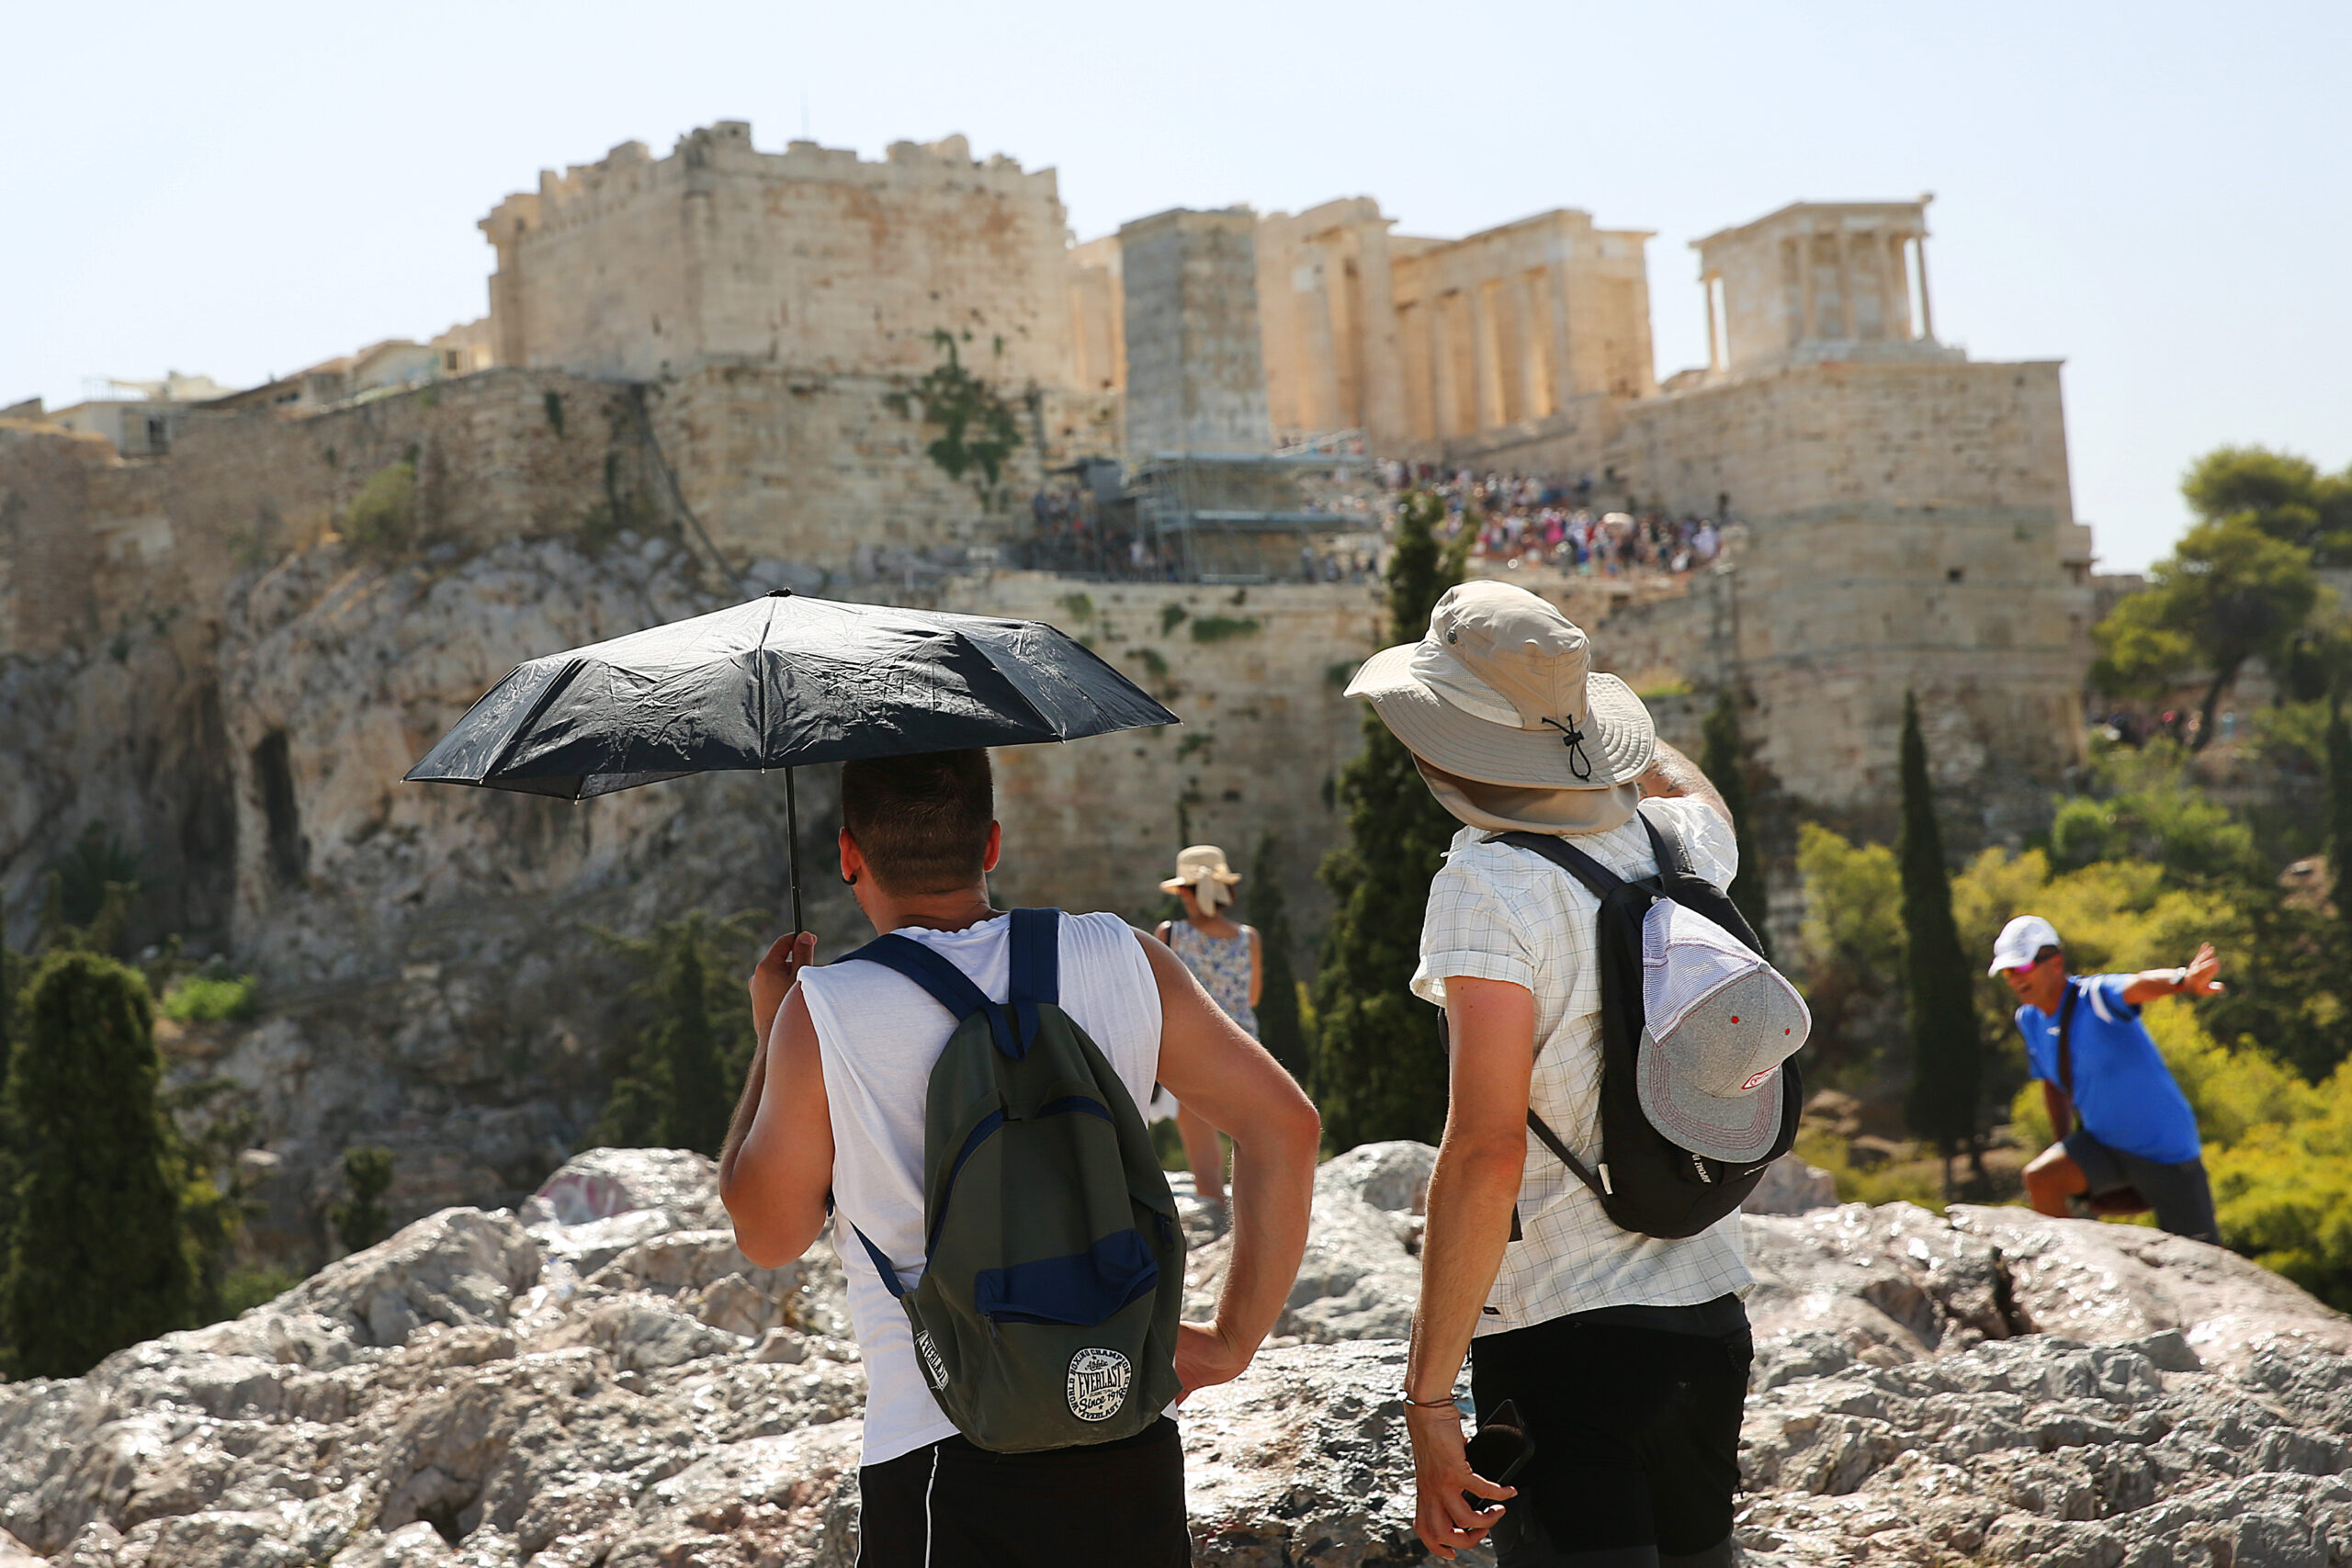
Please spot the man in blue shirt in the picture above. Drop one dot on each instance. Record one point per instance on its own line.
(2137, 1146)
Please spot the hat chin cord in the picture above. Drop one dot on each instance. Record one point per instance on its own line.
(1572, 737)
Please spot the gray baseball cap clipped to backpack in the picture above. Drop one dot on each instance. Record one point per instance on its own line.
(1720, 1022)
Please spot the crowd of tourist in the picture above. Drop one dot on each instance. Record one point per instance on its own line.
(1520, 520)
(1515, 521)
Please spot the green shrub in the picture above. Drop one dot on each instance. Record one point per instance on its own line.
(248, 1288)
(1219, 628)
(1170, 617)
(198, 998)
(384, 512)
(1852, 951)
(362, 1219)
(1914, 1183)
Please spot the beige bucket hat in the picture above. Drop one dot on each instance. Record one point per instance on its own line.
(1512, 727)
(1202, 868)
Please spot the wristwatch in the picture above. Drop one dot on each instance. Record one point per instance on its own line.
(2181, 978)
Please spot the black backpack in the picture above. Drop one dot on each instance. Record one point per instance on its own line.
(1647, 1183)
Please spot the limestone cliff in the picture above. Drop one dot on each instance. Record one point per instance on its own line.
(430, 978)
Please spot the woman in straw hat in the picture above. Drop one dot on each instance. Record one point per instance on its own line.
(1225, 956)
(1623, 1356)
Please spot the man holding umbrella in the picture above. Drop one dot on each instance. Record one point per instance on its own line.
(835, 1105)
(836, 1099)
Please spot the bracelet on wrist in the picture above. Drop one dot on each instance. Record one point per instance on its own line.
(1446, 1403)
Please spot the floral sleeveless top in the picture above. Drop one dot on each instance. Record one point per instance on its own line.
(1221, 963)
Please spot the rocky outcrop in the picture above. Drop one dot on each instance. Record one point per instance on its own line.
(603, 1379)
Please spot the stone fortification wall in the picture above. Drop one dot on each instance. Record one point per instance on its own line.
(831, 477)
(1825, 619)
(1914, 433)
(1896, 434)
(810, 259)
(1256, 675)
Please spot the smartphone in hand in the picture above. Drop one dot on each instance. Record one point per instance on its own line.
(1499, 1449)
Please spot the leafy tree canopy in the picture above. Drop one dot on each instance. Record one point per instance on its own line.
(2285, 496)
(2229, 592)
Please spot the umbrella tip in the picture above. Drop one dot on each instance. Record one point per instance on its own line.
(778, 594)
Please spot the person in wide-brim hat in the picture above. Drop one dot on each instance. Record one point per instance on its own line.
(1229, 959)
(1637, 1344)
(1507, 719)
(1202, 869)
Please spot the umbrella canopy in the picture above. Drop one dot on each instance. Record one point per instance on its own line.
(778, 682)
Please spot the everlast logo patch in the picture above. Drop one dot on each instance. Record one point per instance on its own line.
(1099, 1381)
(933, 1368)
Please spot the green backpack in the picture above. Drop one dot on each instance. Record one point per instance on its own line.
(1053, 1261)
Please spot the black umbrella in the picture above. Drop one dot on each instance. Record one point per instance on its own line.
(775, 683)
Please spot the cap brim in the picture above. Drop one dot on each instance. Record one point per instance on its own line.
(1620, 739)
(1734, 1129)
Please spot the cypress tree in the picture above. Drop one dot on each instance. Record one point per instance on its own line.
(1946, 1047)
(97, 1261)
(362, 1219)
(1724, 761)
(1378, 1070)
(2339, 812)
(1279, 1027)
(672, 1089)
(696, 1117)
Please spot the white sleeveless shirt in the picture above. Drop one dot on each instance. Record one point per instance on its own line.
(878, 1035)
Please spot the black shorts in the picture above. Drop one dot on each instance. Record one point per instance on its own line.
(1636, 1432)
(950, 1504)
(2180, 1194)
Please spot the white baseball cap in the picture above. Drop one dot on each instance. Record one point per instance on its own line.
(2020, 940)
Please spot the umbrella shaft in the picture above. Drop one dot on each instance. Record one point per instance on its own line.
(791, 833)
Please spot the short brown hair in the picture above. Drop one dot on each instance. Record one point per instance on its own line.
(921, 822)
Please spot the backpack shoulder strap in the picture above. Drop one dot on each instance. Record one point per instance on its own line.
(1037, 968)
(1601, 881)
(1554, 1141)
(1597, 877)
(948, 986)
(2066, 1049)
(1667, 845)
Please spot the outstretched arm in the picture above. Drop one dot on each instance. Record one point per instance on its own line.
(2198, 980)
(1215, 1070)
(1672, 773)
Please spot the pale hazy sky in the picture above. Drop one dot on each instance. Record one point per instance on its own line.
(2158, 194)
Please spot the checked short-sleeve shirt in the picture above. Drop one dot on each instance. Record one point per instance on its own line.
(1501, 913)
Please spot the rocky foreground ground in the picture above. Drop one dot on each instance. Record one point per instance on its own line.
(603, 1380)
